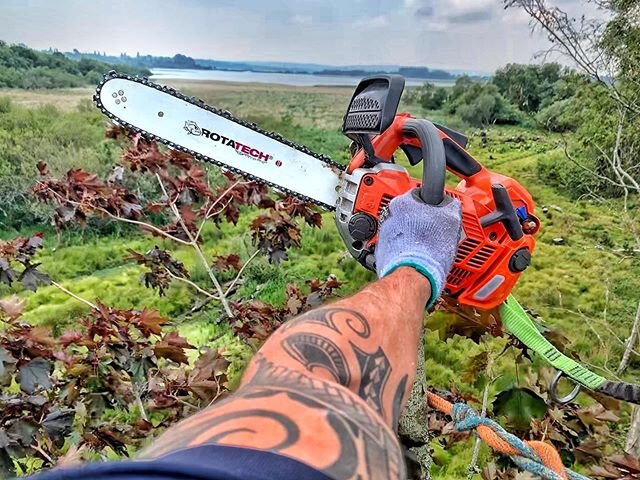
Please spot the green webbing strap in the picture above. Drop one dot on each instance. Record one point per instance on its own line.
(517, 323)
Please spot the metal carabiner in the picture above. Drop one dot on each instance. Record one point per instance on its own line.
(553, 390)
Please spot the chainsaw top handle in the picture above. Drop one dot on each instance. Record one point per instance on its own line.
(372, 123)
(433, 159)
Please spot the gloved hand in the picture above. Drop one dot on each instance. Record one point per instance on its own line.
(421, 236)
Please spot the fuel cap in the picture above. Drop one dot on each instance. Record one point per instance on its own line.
(520, 260)
(362, 226)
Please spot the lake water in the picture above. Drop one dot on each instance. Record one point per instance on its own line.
(296, 79)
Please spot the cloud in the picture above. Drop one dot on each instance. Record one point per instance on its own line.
(446, 12)
(475, 35)
(472, 16)
(425, 11)
(372, 23)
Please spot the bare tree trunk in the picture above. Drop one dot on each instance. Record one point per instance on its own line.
(633, 436)
(631, 343)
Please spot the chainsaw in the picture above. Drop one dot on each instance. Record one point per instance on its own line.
(498, 220)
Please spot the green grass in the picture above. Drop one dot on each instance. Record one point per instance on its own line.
(570, 285)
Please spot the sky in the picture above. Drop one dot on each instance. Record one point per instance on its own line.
(470, 35)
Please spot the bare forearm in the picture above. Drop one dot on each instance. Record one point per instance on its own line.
(367, 342)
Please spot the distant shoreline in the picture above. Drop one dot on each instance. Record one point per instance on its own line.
(299, 79)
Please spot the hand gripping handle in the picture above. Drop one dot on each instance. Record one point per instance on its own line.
(433, 159)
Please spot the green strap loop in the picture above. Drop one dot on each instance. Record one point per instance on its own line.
(517, 322)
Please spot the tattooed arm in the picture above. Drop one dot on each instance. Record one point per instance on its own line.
(327, 388)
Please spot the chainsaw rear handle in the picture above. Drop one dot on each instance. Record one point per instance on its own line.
(433, 159)
(458, 159)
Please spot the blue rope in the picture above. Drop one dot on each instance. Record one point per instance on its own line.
(466, 418)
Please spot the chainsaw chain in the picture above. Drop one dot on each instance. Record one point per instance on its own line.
(222, 113)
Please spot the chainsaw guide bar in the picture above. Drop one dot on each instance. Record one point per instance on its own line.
(188, 124)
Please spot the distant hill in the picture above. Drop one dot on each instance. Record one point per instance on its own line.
(23, 67)
(184, 62)
(140, 61)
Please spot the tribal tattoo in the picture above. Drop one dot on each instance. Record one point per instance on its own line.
(326, 389)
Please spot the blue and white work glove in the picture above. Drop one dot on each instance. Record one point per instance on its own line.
(425, 237)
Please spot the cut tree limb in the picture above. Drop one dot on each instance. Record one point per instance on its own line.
(631, 342)
(632, 445)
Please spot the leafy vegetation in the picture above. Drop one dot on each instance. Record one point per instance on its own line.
(558, 100)
(100, 386)
(23, 67)
(515, 95)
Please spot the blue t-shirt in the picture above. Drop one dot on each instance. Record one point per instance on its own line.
(206, 462)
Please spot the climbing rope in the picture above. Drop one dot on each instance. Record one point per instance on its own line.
(536, 457)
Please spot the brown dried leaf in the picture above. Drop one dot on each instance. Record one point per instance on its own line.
(12, 307)
(476, 366)
(151, 321)
(465, 321)
(171, 352)
(224, 262)
(627, 463)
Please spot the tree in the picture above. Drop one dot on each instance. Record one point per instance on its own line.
(432, 97)
(607, 50)
(528, 86)
(23, 67)
(462, 84)
(482, 104)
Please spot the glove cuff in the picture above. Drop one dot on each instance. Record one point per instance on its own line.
(424, 265)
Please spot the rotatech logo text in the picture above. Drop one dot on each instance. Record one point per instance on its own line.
(193, 128)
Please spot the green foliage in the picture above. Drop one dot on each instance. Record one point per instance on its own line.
(22, 67)
(621, 38)
(566, 284)
(5, 105)
(27, 465)
(560, 116)
(431, 97)
(473, 103)
(593, 114)
(482, 104)
(66, 139)
(519, 406)
(528, 87)
(462, 85)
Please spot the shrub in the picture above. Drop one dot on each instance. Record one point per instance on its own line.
(432, 97)
(528, 86)
(561, 116)
(482, 104)
(22, 67)
(5, 105)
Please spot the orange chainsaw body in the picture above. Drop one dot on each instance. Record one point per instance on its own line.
(489, 259)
